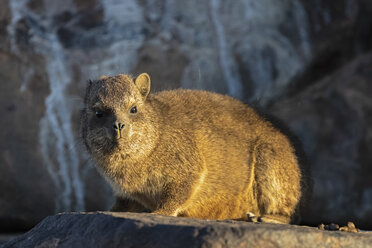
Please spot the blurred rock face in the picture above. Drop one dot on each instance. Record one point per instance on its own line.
(270, 52)
(333, 119)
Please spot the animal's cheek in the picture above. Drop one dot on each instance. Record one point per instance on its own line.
(136, 128)
(108, 133)
(99, 136)
(130, 130)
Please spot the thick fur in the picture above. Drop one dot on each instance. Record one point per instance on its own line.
(190, 153)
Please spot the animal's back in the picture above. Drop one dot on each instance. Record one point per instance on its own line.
(235, 144)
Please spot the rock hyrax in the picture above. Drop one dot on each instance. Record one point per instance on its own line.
(189, 153)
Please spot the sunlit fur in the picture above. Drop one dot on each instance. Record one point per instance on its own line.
(190, 153)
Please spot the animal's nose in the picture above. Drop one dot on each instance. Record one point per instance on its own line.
(118, 125)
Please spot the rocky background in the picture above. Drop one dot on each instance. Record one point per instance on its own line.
(309, 62)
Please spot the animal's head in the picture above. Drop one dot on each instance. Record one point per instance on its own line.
(117, 119)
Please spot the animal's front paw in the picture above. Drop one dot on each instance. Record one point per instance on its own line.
(277, 219)
(253, 218)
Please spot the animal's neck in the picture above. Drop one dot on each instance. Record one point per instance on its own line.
(132, 179)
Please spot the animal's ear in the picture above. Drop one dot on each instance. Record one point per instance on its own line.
(143, 83)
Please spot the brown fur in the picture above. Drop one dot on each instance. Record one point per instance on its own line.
(190, 153)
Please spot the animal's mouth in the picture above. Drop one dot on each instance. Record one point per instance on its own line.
(119, 142)
(119, 134)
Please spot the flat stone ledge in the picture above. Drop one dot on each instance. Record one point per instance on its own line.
(108, 229)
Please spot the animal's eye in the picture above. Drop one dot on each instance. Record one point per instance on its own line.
(99, 114)
(133, 110)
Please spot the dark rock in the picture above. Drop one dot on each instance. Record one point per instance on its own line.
(333, 120)
(147, 230)
(22, 178)
(340, 31)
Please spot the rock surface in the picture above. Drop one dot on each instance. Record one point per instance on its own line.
(147, 230)
(264, 51)
(333, 120)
